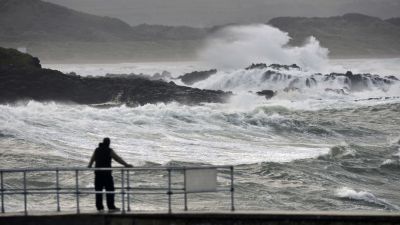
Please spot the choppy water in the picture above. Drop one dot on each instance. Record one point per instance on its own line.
(304, 150)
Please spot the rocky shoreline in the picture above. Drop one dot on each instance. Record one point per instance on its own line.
(22, 78)
(276, 73)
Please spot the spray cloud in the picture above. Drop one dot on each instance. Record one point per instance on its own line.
(238, 46)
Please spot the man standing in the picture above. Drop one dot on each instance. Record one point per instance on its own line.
(102, 157)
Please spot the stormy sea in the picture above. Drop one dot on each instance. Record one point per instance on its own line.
(322, 142)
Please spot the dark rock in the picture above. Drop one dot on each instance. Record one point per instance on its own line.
(267, 75)
(358, 82)
(285, 67)
(275, 76)
(257, 66)
(12, 58)
(349, 73)
(196, 76)
(311, 82)
(392, 78)
(273, 66)
(267, 93)
(30, 82)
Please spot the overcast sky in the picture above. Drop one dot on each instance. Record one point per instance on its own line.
(217, 12)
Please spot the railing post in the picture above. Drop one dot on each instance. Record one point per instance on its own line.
(25, 195)
(58, 190)
(232, 191)
(129, 189)
(123, 190)
(77, 191)
(184, 189)
(169, 193)
(2, 192)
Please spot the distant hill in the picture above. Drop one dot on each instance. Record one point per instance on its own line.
(56, 33)
(36, 20)
(395, 21)
(350, 35)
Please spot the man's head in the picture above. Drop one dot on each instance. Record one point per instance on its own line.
(106, 142)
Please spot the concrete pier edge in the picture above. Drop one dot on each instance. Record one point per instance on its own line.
(205, 218)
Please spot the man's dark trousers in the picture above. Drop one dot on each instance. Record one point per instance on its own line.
(104, 180)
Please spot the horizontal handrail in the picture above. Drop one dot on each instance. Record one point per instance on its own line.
(125, 190)
(166, 168)
(91, 188)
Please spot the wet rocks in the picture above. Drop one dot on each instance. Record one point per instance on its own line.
(392, 78)
(12, 58)
(311, 82)
(285, 67)
(196, 76)
(275, 76)
(272, 66)
(21, 78)
(257, 66)
(268, 94)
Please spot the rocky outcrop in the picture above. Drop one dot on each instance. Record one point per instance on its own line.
(196, 76)
(285, 67)
(272, 66)
(349, 82)
(358, 82)
(268, 94)
(12, 58)
(22, 78)
(257, 66)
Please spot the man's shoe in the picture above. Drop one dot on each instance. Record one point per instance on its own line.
(100, 210)
(114, 210)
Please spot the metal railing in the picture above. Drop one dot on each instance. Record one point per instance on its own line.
(125, 189)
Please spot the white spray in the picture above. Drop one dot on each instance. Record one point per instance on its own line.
(238, 46)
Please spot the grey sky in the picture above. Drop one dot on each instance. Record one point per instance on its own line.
(217, 12)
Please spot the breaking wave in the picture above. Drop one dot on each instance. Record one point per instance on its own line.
(238, 46)
(364, 196)
(160, 132)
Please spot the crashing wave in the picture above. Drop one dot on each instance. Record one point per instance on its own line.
(237, 46)
(364, 196)
(291, 78)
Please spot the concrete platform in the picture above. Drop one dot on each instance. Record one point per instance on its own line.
(205, 218)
